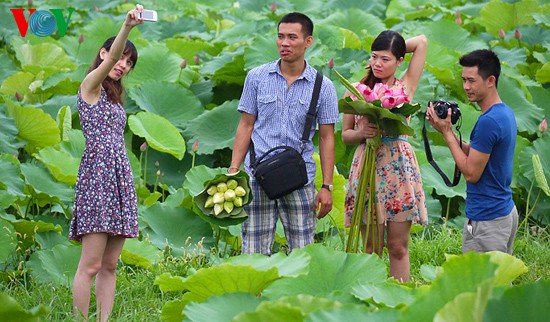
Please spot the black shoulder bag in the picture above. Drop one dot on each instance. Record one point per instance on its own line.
(286, 171)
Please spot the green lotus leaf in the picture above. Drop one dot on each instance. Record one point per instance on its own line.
(351, 312)
(10, 176)
(7, 66)
(169, 283)
(543, 74)
(261, 50)
(64, 121)
(56, 265)
(176, 227)
(214, 129)
(62, 166)
(47, 57)
(387, 294)
(36, 127)
(462, 41)
(8, 134)
(462, 273)
(11, 310)
(226, 67)
(465, 307)
(431, 179)
(292, 265)
(159, 133)
(17, 83)
(155, 62)
(496, 15)
(43, 188)
(167, 99)
(51, 238)
(221, 307)
(357, 21)
(228, 278)
(330, 271)
(516, 303)
(140, 253)
(189, 48)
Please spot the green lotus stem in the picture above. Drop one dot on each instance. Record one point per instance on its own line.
(448, 210)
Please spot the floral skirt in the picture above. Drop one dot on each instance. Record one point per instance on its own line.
(399, 192)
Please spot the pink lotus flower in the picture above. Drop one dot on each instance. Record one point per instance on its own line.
(543, 126)
(389, 97)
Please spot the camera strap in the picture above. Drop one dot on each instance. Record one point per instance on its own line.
(456, 178)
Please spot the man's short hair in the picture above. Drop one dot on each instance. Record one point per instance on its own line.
(297, 17)
(485, 60)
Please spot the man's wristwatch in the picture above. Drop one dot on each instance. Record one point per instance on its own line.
(329, 187)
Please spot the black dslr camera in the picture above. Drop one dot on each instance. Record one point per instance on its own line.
(441, 107)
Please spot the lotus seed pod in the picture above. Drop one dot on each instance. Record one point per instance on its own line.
(240, 192)
(218, 208)
(232, 184)
(238, 202)
(229, 195)
(212, 190)
(222, 187)
(209, 202)
(218, 198)
(228, 206)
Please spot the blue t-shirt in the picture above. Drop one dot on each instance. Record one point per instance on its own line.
(494, 133)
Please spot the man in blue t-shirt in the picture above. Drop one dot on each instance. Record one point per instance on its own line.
(486, 162)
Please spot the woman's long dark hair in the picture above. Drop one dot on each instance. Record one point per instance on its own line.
(114, 88)
(386, 40)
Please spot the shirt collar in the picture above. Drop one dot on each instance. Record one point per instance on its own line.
(309, 73)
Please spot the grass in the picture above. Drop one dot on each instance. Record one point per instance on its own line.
(138, 299)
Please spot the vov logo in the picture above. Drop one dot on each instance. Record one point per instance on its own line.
(42, 22)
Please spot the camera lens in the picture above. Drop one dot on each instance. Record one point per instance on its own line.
(441, 109)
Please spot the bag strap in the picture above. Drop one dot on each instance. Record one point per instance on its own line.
(456, 178)
(309, 120)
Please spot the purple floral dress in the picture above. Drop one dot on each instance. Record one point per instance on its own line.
(105, 199)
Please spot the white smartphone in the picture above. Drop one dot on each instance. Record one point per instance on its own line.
(149, 15)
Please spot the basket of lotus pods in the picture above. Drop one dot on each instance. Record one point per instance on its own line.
(225, 195)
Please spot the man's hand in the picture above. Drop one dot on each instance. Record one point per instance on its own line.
(323, 202)
(441, 125)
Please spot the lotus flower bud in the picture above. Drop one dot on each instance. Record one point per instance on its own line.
(30, 3)
(331, 63)
(183, 64)
(543, 126)
(232, 184)
(517, 34)
(158, 173)
(218, 208)
(18, 96)
(273, 7)
(209, 202)
(228, 206)
(197, 60)
(218, 198)
(501, 33)
(143, 146)
(222, 187)
(212, 190)
(238, 202)
(458, 19)
(229, 195)
(157, 164)
(240, 192)
(195, 146)
(81, 39)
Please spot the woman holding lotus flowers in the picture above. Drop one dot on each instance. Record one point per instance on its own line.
(399, 199)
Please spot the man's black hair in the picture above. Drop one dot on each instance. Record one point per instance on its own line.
(297, 17)
(485, 60)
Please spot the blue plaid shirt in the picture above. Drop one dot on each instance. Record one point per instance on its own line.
(281, 111)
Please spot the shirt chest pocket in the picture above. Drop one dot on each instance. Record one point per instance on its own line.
(267, 105)
(299, 110)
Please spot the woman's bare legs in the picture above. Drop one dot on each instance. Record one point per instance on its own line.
(99, 252)
(105, 281)
(398, 249)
